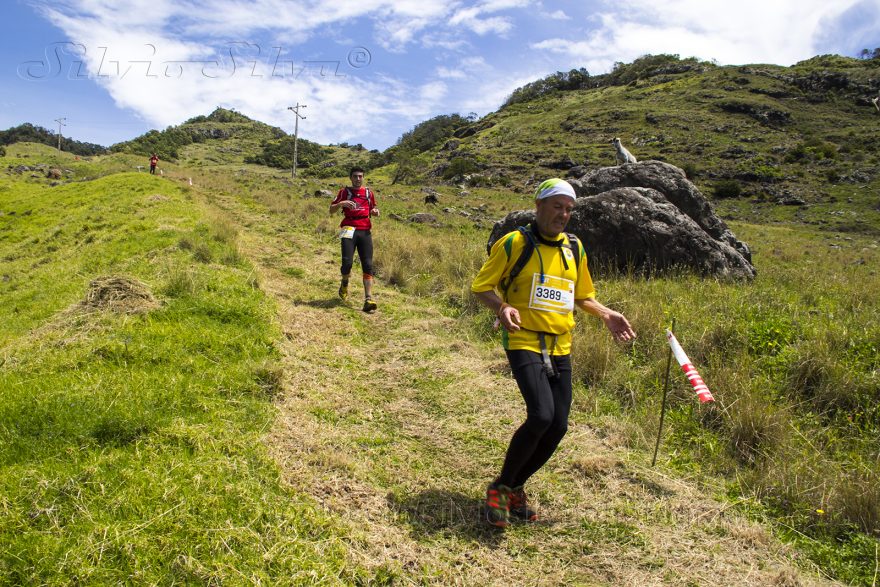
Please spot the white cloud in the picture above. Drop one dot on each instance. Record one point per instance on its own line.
(466, 68)
(447, 73)
(170, 67)
(473, 17)
(752, 31)
(557, 15)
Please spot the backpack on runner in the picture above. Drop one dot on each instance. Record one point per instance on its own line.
(367, 194)
(574, 246)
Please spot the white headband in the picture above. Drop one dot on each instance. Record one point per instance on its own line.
(555, 187)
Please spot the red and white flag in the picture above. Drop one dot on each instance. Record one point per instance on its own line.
(693, 376)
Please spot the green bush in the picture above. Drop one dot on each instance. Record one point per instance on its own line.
(459, 167)
(727, 188)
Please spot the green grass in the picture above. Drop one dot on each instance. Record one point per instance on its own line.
(131, 445)
(134, 447)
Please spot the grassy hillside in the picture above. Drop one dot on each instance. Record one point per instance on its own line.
(226, 137)
(37, 134)
(231, 421)
(805, 133)
(386, 419)
(130, 428)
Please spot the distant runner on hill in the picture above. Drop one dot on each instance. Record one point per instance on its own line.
(536, 308)
(358, 205)
(154, 160)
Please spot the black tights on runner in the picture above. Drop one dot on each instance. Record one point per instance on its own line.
(548, 402)
(363, 242)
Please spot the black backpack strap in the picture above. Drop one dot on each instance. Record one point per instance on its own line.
(526, 254)
(528, 249)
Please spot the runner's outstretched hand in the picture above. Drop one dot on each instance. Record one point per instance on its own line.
(619, 326)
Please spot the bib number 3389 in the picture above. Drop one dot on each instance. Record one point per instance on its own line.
(556, 294)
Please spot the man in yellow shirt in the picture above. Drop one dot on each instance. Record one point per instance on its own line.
(537, 313)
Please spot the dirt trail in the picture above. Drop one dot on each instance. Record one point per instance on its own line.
(394, 422)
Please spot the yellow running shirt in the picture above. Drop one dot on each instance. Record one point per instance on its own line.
(544, 306)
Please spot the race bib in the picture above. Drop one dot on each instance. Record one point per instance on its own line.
(556, 294)
(346, 232)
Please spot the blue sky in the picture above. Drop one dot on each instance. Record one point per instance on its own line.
(367, 70)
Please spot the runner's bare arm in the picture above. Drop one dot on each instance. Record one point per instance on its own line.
(507, 314)
(615, 321)
(342, 204)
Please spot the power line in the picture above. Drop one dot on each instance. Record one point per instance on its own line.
(61, 122)
(296, 118)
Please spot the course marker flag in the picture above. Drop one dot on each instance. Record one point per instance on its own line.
(693, 376)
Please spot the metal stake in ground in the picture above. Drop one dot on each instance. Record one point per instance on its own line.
(663, 402)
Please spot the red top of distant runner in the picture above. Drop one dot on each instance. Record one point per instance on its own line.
(357, 217)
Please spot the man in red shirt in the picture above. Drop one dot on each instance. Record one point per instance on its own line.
(358, 205)
(154, 160)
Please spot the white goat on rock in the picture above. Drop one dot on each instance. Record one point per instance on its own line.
(623, 156)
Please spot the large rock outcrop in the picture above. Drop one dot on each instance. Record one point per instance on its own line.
(648, 218)
(670, 181)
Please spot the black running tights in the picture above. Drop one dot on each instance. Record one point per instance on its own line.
(363, 242)
(548, 402)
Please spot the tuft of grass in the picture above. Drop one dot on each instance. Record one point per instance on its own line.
(181, 282)
(203, 253)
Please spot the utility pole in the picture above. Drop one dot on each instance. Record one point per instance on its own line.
(296, 118)
(61, 122)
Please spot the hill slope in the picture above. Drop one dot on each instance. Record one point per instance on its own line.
(148, 438)
(804, 135)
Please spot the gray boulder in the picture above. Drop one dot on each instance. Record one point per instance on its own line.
(645, 229)
(423, 218)
(670, 181)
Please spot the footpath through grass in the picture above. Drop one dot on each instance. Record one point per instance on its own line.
(396, 421)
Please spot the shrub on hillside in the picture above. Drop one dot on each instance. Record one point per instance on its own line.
(812, 150)
(432, 133)
(652, 65)
(279, 153)
(574, 79)
(690, 170)
(460, 167)
(727, 188)
(406, 163)
(166, 144)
